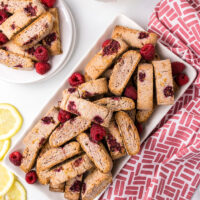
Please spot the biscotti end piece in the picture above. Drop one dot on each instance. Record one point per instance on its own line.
(104, 58)
(134, 38)
(145, 87)
(128, 132)
(123, 71)
(164, 82)
(95, 183)
(35, 32)
(53, 41)
(15, 61)
(143, 115)
(57, 188)
(96, 152)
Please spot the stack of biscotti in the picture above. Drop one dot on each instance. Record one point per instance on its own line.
(29, 25)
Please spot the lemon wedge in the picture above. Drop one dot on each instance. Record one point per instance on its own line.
(4, 146)
(7, 179)
(16, 192)
(10, 121)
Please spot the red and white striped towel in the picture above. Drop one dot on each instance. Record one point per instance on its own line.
(168, 165)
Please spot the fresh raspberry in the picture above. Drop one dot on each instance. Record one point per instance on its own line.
(106, 42)
(148, 52)
(41, 53)
(76, 79)
(63, 116)
(3, 16)
(97, 133)
(139, 127)
(3, 39)
(182, 79)
(49, 3)
(130, 92)
(31, 177)
(177, 68)
(42, 68)
(15, 158)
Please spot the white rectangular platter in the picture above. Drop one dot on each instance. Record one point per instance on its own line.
(158, 114)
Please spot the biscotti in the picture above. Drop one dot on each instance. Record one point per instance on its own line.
(15, 61)
(116, 103)
(95, 183)
(55, 156)
(114, 142)
(52, 41)
(107, 73)
(35, 32)
(134, 38)
(73, 188)
(88, 110)
(103, 59)
(164, 82)
(71, 169)
(143, 115)
(57, 188)
(96, 152)
(145, 87)
(128, 132)
(123, 71)
(132, 114)
(68, 131)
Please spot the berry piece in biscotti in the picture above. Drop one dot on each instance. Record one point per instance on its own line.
(96, 152)
(134, 38)
(94, 184)
(123, 71)
(35, 32)
(164, 82)
(145, 87)
(57, 188)
(104, 58)
(128, 132)
(15, 61)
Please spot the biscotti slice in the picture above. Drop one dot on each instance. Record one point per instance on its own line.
(128, 132)
(35, 32)
(15, 61)
(164, 82)
(116, 103)
(89, 89)
(96, 152)
(104, 58)
(73, 188)
(132, 114)
(88, 110)
(68, 131)
(12, 47)
(37, 137)
(57, 188)
(114, 142)
(143, 115)
(123, 71)
(107, 73)
(71, 169)
(52, 41)
(145, 87)
(55, 156)
(95, 183)
(134, 38)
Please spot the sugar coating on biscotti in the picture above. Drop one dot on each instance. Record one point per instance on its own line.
(35, 32)
(145, 87)
(104, 58)
(15, 61)
(95, 183)
(123, 71)
(128, 132)
(134, 38)
(164, 82)
(57, 188)
(96, 152)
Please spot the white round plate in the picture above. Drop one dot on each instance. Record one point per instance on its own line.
(68, 36)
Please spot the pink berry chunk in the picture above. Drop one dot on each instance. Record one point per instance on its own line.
(76, 79)
(77, 162)
(30, 10)
(143, 35)
(142, 76)
(63, 116)
(48, 120)
(111, 48)
(114, 145)
(3, 16)
(50, 38)
(98, 119)
(106, 42)
(31, 177)
(76, 187)
(83, 188)
(97, 133)
(168, 91)
(15, 158)
(72, 108)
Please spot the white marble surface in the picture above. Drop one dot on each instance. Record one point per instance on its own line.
(91, 18)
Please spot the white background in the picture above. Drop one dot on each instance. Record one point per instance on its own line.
(91, 18)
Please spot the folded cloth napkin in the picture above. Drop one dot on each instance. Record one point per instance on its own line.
(168, 165)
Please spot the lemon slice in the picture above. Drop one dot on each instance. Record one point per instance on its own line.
(16, 192)
(6, 180)
(4, 146)
(10, 121)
